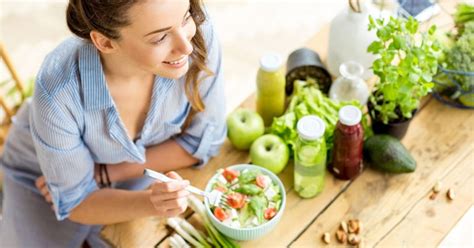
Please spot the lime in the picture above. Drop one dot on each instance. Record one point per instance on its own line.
(308, 187)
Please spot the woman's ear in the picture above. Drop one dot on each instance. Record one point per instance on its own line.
(103, 43)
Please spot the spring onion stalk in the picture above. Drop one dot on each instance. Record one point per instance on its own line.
(192, 231)
(175, 225)
(173, 242)
(217, 238)
(180, 241)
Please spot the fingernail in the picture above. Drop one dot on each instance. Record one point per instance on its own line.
(186, 182)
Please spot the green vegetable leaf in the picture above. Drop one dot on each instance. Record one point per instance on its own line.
(249, 189)
(247, 176)
(258, 204)
(245, 214)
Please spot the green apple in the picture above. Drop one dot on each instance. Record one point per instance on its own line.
(271, 152)
(243, 127)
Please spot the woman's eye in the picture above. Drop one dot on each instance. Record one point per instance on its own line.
(160, 40)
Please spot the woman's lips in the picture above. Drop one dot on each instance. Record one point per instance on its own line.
(177, 63)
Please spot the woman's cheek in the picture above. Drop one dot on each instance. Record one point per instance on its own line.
(191, 31)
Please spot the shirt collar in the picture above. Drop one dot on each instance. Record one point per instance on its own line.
(95, 92)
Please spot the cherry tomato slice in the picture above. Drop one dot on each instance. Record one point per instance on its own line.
(269, 213)
(220, 214)
(230, 175)
(261, 181)
(236, 200)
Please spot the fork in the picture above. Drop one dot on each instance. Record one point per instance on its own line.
(215, 197)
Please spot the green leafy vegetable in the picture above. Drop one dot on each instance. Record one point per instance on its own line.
(464, 14)
(308, 100)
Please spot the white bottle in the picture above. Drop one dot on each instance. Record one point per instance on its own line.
(350, 85)
(349, 38)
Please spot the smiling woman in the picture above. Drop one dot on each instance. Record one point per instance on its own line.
(139, 87)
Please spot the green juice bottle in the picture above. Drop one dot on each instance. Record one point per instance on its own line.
(310, 157)
(270, 88)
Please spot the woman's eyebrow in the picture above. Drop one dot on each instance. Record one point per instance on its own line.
(164, 29)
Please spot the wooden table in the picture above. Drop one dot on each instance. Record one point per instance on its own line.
(395, 210)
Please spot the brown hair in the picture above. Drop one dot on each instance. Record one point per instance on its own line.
(107, 17)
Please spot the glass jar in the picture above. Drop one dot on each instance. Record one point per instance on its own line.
(310, 157)
(348, 144)
(350, 85)
(270, 88)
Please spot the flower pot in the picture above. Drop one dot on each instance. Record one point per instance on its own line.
(397, 129)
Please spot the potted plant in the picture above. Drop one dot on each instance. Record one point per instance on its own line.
(405, 65)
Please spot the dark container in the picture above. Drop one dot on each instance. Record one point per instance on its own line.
(303, 63)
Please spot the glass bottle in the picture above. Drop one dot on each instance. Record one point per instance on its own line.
(310, 157)
(348, 144)
(270, 88)
(350, 85)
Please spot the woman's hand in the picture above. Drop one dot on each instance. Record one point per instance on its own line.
(43, 188)
(170, 199)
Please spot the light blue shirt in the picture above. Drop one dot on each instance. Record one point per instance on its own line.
(72, 122)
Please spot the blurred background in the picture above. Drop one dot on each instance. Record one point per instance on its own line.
(247, 29)
(31, 28)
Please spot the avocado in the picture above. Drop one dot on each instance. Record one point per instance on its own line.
(386, 153)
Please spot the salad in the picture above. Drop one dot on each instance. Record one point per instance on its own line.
(251, 198)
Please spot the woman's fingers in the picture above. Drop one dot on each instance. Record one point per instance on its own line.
(173, 212)
(163, 196)
(170, 199)
(40, 182)
(49, 198)
(44, 191)
(170, 186)
(43, 188)
(174, 175)
(173, 208)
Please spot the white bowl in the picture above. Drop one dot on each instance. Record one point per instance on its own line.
(248, 233)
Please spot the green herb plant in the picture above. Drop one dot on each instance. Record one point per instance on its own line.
(406, 63)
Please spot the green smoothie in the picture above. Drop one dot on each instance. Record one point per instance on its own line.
(270, 88)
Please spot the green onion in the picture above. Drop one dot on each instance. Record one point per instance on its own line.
(192, 231)
(175, 225)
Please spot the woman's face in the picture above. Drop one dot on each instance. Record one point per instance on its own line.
(159, 37)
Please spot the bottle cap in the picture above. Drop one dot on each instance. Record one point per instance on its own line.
(350, 115)
(311, 127)
(271, 62)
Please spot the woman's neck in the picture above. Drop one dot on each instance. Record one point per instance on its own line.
(117, 70)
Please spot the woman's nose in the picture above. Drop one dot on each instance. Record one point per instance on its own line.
(183, 43)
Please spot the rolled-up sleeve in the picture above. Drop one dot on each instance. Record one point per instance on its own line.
(64, 159)
(207, 131)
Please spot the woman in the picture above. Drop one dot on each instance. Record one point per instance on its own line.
(141, 87)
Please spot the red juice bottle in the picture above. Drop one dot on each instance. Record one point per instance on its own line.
(348, 144)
